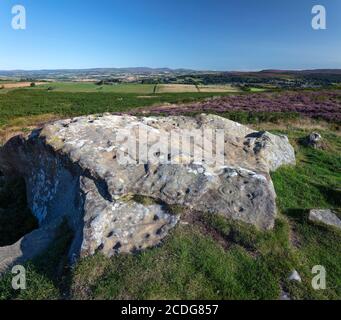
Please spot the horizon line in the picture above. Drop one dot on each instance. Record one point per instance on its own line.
(166, 68)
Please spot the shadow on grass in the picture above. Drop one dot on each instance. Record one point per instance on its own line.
(297, 215)
(332, 196)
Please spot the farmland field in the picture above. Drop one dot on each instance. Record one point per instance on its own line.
(6, 86)
(145, 89)
(168, 88)
(217, 88)
(92, 87)
(164, 88)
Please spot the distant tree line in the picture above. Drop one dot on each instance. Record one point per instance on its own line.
(248, 80)
(108, 82)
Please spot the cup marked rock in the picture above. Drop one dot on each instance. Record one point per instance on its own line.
(73, 170)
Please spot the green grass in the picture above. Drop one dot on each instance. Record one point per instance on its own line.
(3, 90)
(315, 181)
(188, 266)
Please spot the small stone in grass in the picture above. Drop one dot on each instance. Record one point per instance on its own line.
(294, 276)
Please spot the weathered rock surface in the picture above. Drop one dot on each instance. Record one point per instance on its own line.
(77, 169)
(327, 217)
(314, 140)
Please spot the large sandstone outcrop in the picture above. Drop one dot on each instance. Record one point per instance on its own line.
(86, 170)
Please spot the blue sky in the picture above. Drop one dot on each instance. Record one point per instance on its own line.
(198, 34)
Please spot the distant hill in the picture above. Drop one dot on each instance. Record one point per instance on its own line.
(304, 72)
(274, 73)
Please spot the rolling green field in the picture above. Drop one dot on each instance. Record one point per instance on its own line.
(92, 87)
(209, 258)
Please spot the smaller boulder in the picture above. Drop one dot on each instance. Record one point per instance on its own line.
(327, 217)
(284, 296)
(314, 140)
(294, 276)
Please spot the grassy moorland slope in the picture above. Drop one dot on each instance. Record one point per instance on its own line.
(207, 257)
(34, 102)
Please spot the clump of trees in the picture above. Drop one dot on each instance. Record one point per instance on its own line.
(108, 82)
